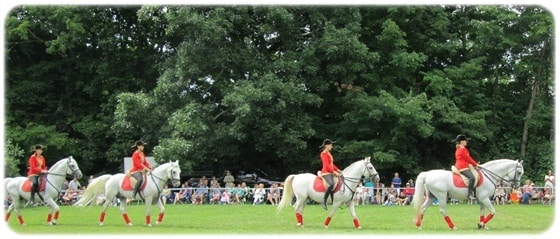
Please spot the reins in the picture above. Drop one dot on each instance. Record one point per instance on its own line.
(354, 180)
(494, 178)
(74, 172)
(152, 176)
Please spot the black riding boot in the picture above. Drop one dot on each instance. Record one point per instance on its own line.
(328, 193)
(471, 189)
(33, 190)
(139, 180)
(136, 188)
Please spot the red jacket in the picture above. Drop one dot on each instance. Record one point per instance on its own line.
(463, 158)
(36, 165)
(139, 162)
(328, 163)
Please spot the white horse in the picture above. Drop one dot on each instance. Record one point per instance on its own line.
(440, 184)
(301, 185)
(19, 188)
(111, 186)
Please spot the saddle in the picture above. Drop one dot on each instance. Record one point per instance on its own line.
(26, 186)
(128, 182)
(460, 181)
(320, 184)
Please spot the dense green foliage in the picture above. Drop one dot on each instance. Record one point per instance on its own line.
(262, 86)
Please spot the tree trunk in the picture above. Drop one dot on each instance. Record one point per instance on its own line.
(534, 92)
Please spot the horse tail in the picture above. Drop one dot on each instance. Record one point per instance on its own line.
(93, 190)
(419, 194)
(288, 194)
(6, 181)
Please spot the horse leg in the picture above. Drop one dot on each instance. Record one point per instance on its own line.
(442, 209)
(9, 212)
(486, 203)
(106, 204)
(300, 204)
(53, 207)
(148, 201)
(161, 211)
(122, 208)
(16, 208)
(351, 207)
(427, 202)
(331, 213)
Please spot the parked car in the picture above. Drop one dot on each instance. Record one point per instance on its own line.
(252, 176)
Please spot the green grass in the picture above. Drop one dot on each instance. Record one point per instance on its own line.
(262, 219)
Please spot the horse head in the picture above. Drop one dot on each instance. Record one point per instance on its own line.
(66, 166)
(73, 168)
(370, 170)
(175, 173)
(514, 175)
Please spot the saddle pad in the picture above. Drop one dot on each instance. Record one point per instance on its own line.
(129, 182)
(26, 186)
(460, 183)
(319, 186)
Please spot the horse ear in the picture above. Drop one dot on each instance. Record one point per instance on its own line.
(521, 162)
(367, 159)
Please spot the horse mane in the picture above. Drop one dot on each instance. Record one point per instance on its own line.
(497, 161)
(354, 164)
(59, 162)
(165, 166)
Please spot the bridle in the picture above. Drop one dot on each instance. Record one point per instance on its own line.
(494, 178)
(173, 180)
(357, 180)
(75, 172)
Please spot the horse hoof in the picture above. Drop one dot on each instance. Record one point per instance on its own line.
(299, 224)
(100, 224)
(360, 227)
(158, 222)
(327, 227)
(129, 224)
(419, 228)
(23, 224)
(149, 225)
(454, 228)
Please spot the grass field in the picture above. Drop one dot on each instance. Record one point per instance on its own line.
(262, 219)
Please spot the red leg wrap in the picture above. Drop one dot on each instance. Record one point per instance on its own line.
(102, 217)
(126, 219)
(147, 219)
(482, 218)
(449, 222)
(7, 217)
(49, 217)
(299, 218)
(356, 222)
(327, 221)
(487, 219)
(56, 215)
(20, 219)
(160, 217)
(419, 220)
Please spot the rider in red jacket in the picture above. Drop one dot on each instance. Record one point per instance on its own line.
(328, 169)
(463, 159)
(37, 166)
(139, 165)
